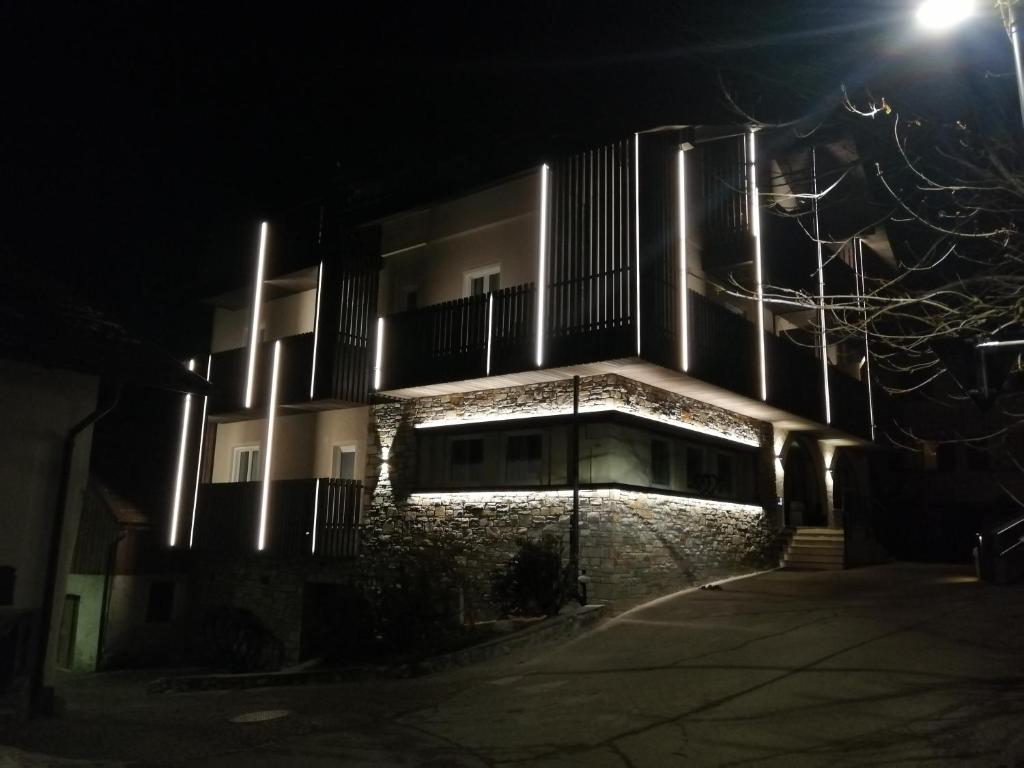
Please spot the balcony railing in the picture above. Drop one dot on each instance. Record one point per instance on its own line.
(462, 339)
(312, 517)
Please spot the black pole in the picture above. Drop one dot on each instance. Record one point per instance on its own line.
(574, 468)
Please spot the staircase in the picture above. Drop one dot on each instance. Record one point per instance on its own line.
(815, 549)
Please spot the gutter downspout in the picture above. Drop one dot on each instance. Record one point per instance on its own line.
(42, 699)
(108, 578)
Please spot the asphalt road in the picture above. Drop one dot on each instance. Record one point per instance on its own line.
(894, 665)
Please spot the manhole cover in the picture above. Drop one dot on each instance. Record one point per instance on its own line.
(262, 716)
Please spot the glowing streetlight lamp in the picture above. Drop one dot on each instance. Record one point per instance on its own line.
(942, 15)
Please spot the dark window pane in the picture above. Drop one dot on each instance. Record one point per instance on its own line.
(695, 479)
(467, 460)
(661, 462)
(524, 456)
(724, 485)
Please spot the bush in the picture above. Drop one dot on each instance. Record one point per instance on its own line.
(534, 581)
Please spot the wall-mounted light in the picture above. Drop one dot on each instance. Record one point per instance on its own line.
(755, 229)
(490, 329)
(684, 297)
(316, 328)
(316, 510)
(636, 222)
(267, 461)
(182, 447)
(542, 259)
(821, 291)
(199, 461)
(380, 353)
(254, 331)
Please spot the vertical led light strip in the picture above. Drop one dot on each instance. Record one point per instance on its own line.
(684, 294)
(380, 352)
(755, 228)
(542, 256)
(182, 447)
(199, 461)
(821, 290)
(862, 290)
(316, 328)
(254, 331)
(636, 214)
(316, 510)
(490, 329)
(271, 418)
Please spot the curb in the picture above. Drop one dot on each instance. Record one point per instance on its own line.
(555, 626)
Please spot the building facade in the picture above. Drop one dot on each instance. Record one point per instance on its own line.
(588, 344)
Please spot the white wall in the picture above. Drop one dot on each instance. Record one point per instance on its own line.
(303, 443)
(497, 225)
(287, 316)
(39, 407)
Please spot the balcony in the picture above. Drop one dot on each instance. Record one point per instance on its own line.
(495, 334)
(341, 373)
(312, 517)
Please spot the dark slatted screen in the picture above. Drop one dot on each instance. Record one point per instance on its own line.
(725, 212)
(591, 277)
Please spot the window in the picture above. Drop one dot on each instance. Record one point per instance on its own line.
(524, 458)
(343, 462)
(467, 460)
(477, 282)
(245, 466)
(695, 479)
(661, 462)
(724, 485)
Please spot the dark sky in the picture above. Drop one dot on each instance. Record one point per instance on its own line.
(141, 141)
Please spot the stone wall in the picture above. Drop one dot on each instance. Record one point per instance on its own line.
(633, 545)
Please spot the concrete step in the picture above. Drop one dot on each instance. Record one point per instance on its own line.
(815, 550)
(800, 566)
(825, 533)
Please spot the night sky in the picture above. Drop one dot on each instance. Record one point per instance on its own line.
(141, 141)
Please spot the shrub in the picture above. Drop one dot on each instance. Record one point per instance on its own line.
(534, 581)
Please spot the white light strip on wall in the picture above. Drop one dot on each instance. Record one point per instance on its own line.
(821, 291)
(316, 510)
(636, 213)
(316, 328)
(542, 258)
(862, 289)
(684, 294)
(490, 329)
(271, 418)
(698, 428)
(182, 446)
(755, 226)
(380, 352)
(254, 331)
(496, 496)
(199, 461)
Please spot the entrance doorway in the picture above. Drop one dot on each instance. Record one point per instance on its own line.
(802, 492)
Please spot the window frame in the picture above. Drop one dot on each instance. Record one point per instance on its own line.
(485, 272)
(337, 449)
(236, 454)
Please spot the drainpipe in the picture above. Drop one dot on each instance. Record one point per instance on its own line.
(574, 463)
(43, 699)
(108, 577)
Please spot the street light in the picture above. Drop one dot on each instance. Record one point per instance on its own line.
(941, 15)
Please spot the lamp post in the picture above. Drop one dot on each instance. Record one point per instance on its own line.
(943, 15)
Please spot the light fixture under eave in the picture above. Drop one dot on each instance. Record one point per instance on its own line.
(755, 229)
(542, 257)
(199, 461)
(254, 330)
(942, 15)
(316, 329)
(271, 417)
(180, 477)
(684, 298)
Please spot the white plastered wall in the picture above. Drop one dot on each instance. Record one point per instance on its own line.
(288, 316)
(496, 226)
(303, 443)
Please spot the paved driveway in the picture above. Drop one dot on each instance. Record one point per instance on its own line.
(895, 665)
